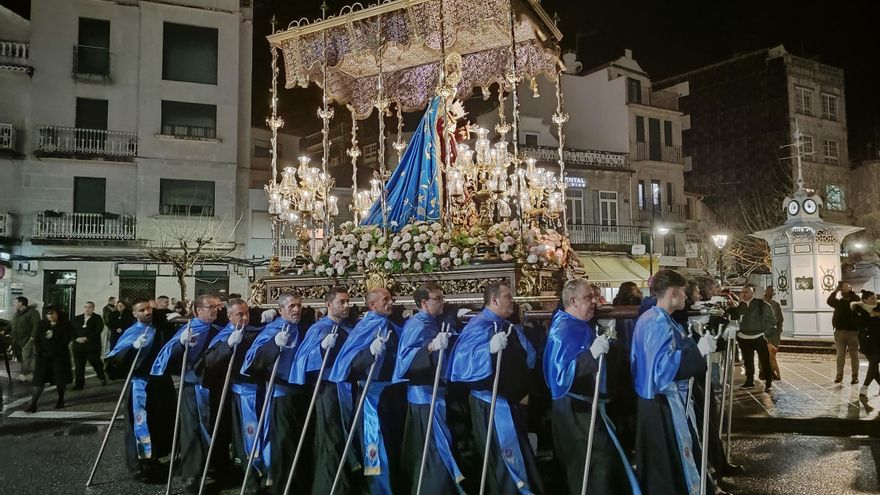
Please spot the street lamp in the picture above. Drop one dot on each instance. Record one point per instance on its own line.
(720, 240)
(659, 230)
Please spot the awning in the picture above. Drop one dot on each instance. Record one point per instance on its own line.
(611, 271)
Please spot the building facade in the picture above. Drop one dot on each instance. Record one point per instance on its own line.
(739, 118)
(131, 133)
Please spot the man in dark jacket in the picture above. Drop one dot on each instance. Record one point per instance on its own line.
(87, 329)
(24, 325)
(757, 318)
(846, 337)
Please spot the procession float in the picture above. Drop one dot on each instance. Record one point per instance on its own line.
(463, 206)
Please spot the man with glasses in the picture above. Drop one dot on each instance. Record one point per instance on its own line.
(571, 361)
(195, 413)
(288, 402)
(326, 438)
(512, 467)
(664, 358)
(421, 341)
(373, 339)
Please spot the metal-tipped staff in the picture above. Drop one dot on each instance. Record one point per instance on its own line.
(726, 386)
(730, 401)
(609, 330)
(354, 422)
(491, 426)
(113, 418)
(704, 447)
(302, 435)
(434, 392)
(219, 415)
(262, 418)
(177, 412)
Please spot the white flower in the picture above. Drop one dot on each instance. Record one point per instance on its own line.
(371, 255)
(421, 256)
(417, 266)
(361, 255)
(409, 255)
(387, 265)
(329, 272)
(299, 272)
(319, 270)
(418, 246)
(533, 258)
(364, 245)
(405, 247)
(406, 237)
(423, 237)
(503, 247)
(466, 257)
(433, 261)
(423, 228)
(429, 254)
(506, 256)
(366, 237)
(394, 255)
(381, 241)
(457, 262)
(445, 263)
(436, 227)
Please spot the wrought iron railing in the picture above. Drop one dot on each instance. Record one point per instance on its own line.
(671, 212)
(664, 153)
(189, 131)
(91, 142)
(593, 234)
(97, 226)
(608, 160)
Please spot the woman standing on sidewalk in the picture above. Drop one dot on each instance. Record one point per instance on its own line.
(51, 341)
(867, 317)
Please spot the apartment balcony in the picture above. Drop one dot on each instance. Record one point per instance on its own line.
(86, 143)
(578, 158)
(57, 225)
(91, 61)
(7, 138)
(663, 153)
(603, 237)
(667, 100)
(14, 56)
(6, 225)
(663, 212)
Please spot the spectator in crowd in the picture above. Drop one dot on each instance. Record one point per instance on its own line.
(120, 320)
(52, 363)
(757, 319)
(866, 315)
(162, 302)
(87, 329)
(24, 325)
(106, 311)
(774, 337)
(628, 294)
(846, 337)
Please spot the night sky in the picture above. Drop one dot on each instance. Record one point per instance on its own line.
(667, 38)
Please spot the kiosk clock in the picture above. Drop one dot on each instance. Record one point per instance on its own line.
(810, 206)
(793, 207)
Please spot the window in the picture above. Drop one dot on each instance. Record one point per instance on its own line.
(189, 53)
(136, 284)
(807, 147)
(803, 100)
(829, 107)
(640, 129)
(91, 114)
(89, 194)
(641, 193)
(608, 208)
(655, 194)
(215, 283)
(574, 205)
(189, 120)
(633, 90)
(832, 152)
(262, 148)
(530, 138)
(834, 200)
(91, 55)
(669, 193)
(667, 132)
(186, 197)
(655, 150)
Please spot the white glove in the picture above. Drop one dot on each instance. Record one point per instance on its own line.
(377, 347)
(268, 315)
(185, 336)
(497, 342)
(171, 316)
(139, 342)
(707, 344)
(441, 341)
(329, 341)
(730, 331)
(600, 346)
(281, 338)
(235, 338)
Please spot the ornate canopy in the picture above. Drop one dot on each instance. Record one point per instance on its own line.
(402, 39)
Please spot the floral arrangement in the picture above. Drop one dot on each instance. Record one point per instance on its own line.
(425, 247)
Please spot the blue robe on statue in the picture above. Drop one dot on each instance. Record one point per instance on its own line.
(570, 370)
(351, 360)
(413, 191)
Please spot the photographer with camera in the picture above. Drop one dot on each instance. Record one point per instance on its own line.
(846, 335)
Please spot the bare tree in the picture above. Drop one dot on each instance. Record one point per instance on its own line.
(185, 244)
